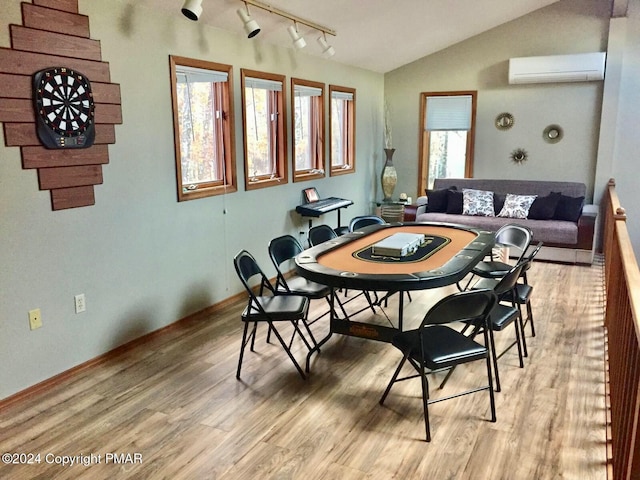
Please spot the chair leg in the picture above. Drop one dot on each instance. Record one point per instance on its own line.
(522, 335)
(253, 336)
(530, 318)
(494, 357)
(242, 345)
(425, 401)
(518, 343)
(268, 336)
(313, 339)
(344, 312)
(393, 378)
(492, 401)
(284, 345)
(366, 294)
(299, 332)
(446, 377)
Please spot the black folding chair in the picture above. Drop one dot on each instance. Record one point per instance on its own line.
(362, 221)
(434, 346)
(524, 289)
(270, 309)
(517, 239)
(506, 312)
(282, 251)
(320, 234)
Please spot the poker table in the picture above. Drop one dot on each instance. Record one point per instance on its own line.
(447, 255)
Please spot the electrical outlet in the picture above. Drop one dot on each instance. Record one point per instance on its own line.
(35, 319)
(81, 306)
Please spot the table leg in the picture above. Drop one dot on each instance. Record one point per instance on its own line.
(400, 309)
(332, 315)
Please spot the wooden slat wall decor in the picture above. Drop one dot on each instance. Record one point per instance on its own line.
(622, 324)
(54, 34)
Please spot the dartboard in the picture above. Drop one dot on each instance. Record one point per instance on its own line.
(64, 108)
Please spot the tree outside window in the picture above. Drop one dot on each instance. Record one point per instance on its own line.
(307, 126)
(342, 131)
(203, 127)
(263, 115)
(447, 122)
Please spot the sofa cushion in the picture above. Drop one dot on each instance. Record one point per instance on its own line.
(544, 208)
(569, 208)
(454, 202)
(520, 187)
(516, 206)
(437, 200)
(477, 202)
(547, 231)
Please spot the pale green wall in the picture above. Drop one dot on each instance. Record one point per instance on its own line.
(142, 259)
(626, 153)
(481, 63)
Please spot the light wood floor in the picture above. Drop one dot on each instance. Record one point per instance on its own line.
(177, 404)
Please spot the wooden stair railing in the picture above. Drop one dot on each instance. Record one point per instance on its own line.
(622, 327)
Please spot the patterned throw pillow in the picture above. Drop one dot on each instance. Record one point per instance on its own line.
(517, 206)
(477, 202)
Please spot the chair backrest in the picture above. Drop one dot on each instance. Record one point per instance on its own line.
(364, 221)
(515, 236)
(320, 234)
(526, 263)
(247, 268)
(281, 250)
(508, 282)
(469, 305)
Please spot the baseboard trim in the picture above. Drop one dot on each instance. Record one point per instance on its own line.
(55, 380)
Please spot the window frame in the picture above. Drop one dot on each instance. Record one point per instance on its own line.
(317, 130)
(349, 133)
(226, 131)
(424, 141)
(278, 133)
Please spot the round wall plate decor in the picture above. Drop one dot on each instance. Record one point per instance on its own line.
(64, 108)
(519, 156)
(504, 121)
(552, 134)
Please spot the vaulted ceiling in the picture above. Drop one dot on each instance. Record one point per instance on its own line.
(378, 35)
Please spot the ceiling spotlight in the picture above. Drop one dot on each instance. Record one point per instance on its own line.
(192, 9)
(327, 50)
(250, 25)
(298, 41)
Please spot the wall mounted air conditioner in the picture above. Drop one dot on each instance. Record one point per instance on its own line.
(579, 67)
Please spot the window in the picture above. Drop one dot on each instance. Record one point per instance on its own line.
(448, 129)
(307, 125)
(265, 142)
(203, 122)
(343, 128)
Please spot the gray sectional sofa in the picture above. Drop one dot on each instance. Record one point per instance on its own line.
(562, 219)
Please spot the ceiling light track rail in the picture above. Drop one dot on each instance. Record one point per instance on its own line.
(293, 18)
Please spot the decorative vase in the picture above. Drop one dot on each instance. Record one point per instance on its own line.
(389, 177)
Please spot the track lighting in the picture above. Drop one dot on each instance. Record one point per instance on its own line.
(327, 50)
(192, 9)
(250, 25)
(298, 41)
